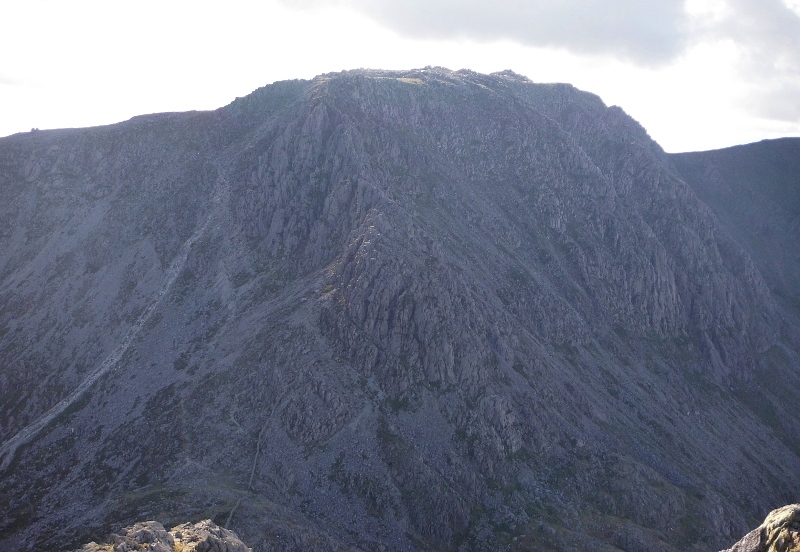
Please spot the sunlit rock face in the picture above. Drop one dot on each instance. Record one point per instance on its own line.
(391, 311)
(150, 536)
(780, 532)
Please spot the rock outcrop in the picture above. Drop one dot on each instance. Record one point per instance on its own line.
(150, 536)
(755, 191)
(780, 532)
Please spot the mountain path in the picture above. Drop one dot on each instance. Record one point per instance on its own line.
(26, 434)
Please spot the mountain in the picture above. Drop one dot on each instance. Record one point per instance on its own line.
(419, 310)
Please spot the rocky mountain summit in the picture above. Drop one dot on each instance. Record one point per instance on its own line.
(419, 310)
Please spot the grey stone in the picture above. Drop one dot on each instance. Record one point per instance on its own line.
(150, 536)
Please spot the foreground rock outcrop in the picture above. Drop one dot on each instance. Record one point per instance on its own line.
(780, 532)
(150, 536)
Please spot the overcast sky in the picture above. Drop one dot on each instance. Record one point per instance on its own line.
(698, 74)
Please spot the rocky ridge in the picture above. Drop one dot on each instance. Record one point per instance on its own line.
(150, 536)
(388, 310)
(780, 532)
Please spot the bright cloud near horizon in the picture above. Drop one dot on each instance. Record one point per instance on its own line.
(697, 74)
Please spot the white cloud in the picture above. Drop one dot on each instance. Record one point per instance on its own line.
(647, 32)
(793, 5)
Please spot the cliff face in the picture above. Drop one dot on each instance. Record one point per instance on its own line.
(755, 192)
(150, 536)
(414, 310)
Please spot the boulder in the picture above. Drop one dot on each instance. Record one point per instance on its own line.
(150, 536)
(780, 532)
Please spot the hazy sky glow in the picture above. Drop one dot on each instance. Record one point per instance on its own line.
(698, 74)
